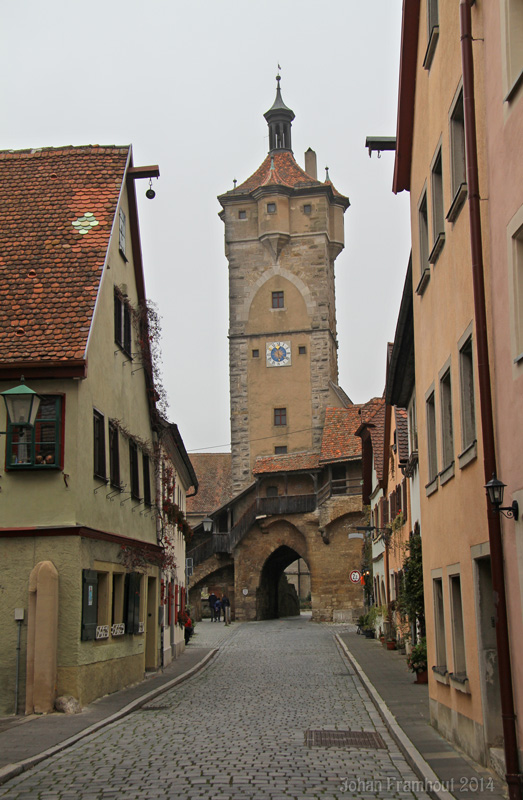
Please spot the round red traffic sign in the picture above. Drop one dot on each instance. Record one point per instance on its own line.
(355, 576)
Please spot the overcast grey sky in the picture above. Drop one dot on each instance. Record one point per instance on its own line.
(187, 83)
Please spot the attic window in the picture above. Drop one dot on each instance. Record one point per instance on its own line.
(307, 208)
(242, 215)
(85, 223)
(121, 238)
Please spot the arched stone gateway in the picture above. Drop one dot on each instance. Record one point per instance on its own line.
(275, 597)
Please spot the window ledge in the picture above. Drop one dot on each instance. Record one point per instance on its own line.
(458, 203)
(431, 47)
(460, 682)
(519, 359)
(425, 278)
(441, 674)
(512, 92)
(438, 247)
(446, 474)
(123, 255)
(468, 455)
(279, 309)
(432, 487)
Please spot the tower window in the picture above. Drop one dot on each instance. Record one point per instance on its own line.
(280, 416)
(255, 353)
(242, 215)
(277, 300)
(307, 208)
(271, 208)
(302, 350)
(280, 450)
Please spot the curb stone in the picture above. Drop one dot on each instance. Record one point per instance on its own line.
(12, 770)
(412, 755)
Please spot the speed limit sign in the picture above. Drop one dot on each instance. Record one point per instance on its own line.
(355, 576)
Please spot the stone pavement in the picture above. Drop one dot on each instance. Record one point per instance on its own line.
(237, 730)
(408, 702)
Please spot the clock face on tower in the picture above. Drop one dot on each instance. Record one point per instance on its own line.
(278, 354)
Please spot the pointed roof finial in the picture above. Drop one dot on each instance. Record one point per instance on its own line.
(327, 178)
(235, 182)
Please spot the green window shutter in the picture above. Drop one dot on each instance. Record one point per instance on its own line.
(132, 605)
(89, 604)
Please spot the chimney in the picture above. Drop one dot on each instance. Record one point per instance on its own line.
(310, 164)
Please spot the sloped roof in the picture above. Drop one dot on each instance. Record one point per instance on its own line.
(278, 168)
(402, 433)
(57, 207)
(213, 471)
(372, 418)
(291, 462)
(339, 441)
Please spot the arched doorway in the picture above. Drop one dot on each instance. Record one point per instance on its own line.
(275, 595)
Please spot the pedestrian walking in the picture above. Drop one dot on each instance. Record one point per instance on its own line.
(212, 603)
(226, 608)
(217, 610)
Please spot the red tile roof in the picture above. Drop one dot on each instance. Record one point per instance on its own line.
(339, 441)
(291, 462)
(402, 433)
(372, 417)
(213, 471)
(57, 207)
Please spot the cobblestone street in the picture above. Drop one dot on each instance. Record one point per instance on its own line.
(237, 730)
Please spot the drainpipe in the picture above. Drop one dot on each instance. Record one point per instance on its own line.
(513, 776)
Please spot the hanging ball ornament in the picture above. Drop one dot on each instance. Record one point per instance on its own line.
(150, 193)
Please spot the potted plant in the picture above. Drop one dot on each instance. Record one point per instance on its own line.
(370, 621)
(417, 660)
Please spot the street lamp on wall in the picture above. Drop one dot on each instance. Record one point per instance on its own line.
(495, 489)
(22, 405)
(207, 524)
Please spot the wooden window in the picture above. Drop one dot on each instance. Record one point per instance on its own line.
(438, 213)
(122, 234)
(99, 445)
(89, 604)
(118, 598)
(447, 434)
(439, 624)
(114, 455)
(133, 470)
(277, 300)
(40, 446)
(280, 416)
(468, 407)
(457, 145)
(431, 438)
(458, 629)
(132, 602)
(146, 480)
(423, 224)
(122, 323)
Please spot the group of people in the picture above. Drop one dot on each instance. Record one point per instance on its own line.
(219, 606)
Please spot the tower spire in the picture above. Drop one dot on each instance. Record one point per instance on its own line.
(279, 119)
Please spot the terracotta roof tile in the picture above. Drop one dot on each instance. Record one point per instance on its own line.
(49, 269)
(339, 441)
(213, 471)
(286, 172)
(291, 462)
(402, 433)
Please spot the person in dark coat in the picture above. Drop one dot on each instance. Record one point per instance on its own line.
(226, 608)
(217, 610)
(212, 603)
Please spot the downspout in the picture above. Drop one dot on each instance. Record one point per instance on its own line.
(513, 776)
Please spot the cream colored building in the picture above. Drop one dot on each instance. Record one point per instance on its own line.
(453, 56)
(79, 542)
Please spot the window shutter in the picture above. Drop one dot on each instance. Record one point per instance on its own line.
(404, 492)
(118, 333)
(89, 604)
(127, 328)
(132, 605)
(175, 603)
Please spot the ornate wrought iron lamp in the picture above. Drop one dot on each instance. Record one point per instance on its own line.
(495, 489)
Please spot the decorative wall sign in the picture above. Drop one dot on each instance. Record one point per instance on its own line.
(118, 629)
(102, 631)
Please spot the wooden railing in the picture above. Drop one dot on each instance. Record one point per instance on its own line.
(271, 506)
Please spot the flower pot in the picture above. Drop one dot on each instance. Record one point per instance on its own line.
(422, 677)
(391, 645)
(369, 634)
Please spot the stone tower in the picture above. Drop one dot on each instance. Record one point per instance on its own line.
(283, 232)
